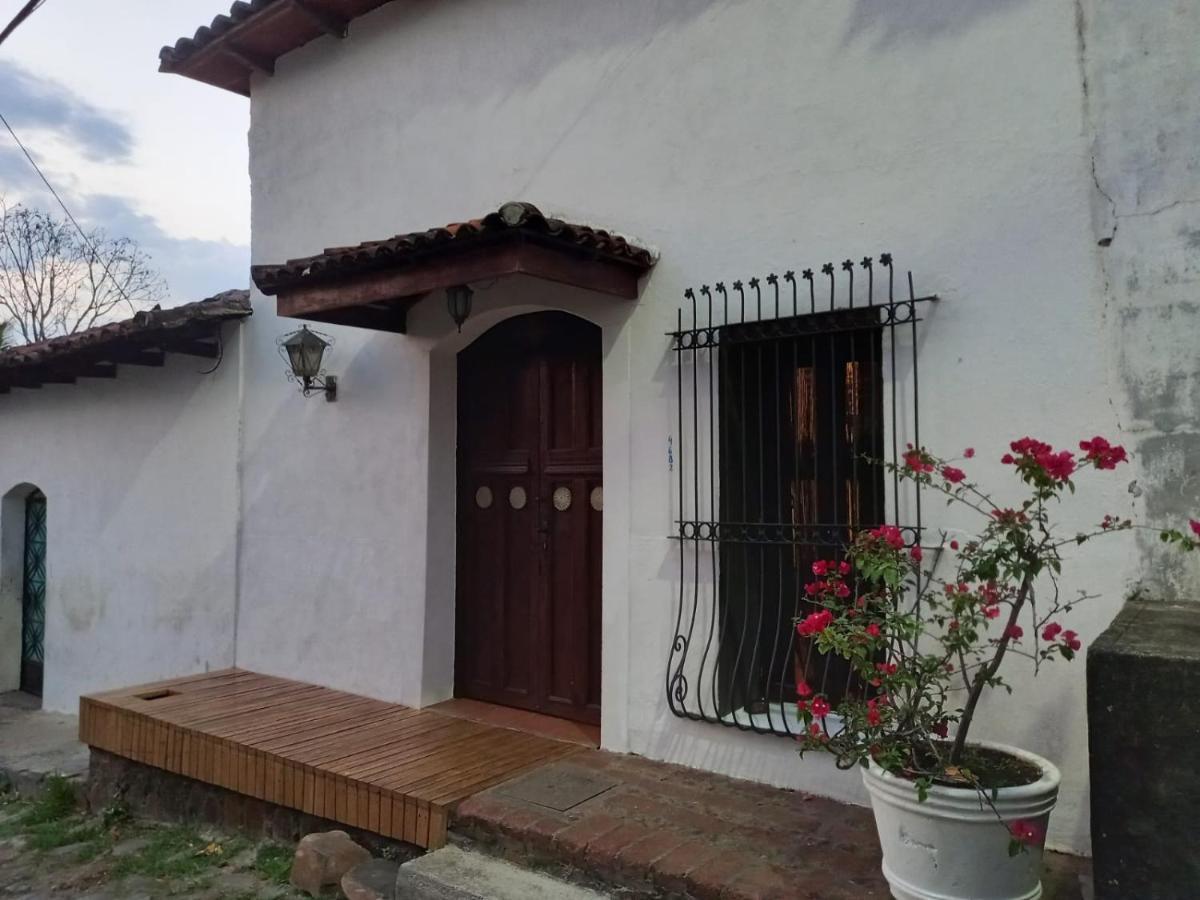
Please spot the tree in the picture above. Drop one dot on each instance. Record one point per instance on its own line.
(55, 280)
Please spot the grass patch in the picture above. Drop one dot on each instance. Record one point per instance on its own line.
(274, 862)
(177, 852)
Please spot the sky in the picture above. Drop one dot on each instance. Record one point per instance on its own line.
(157, 158)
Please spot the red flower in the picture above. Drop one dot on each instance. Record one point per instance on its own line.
(1194, 524)
(1016, 632)
(801, 705)
(873, 630)
(954, 545)
(1058, 466)
(815, 623)
(1007, 459)
(820, 568)
(1071, 640)
(844, 568)
(917, 461)
(1103, 454)
(953, 475)
(873, 716)
(969, 453)
(803, 689)
(1028, 446)
(991, 611)
(1026, 832)
(816, 587)
(820, 707)
(889, 534)
(887, 668)
(842, 590)
(915, 553)
(1051, 631)
(941, 729)
(814, 729)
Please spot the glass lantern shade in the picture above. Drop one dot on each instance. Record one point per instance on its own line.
(305, 351)
(458, 303)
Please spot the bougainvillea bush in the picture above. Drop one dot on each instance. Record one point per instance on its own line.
(925, 648)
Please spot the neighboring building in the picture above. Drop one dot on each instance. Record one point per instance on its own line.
(1035, 164)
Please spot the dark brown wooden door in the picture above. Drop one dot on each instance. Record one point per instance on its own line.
(530, 501)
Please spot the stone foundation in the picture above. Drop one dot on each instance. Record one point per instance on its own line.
(162, 796)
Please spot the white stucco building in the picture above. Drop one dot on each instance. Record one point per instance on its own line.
(1034, 163)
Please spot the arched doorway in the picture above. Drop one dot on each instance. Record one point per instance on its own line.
(530, 503)
(33, 594)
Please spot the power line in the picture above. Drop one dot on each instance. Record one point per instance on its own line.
(26, 11)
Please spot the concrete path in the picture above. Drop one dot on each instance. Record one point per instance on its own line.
(34, 744)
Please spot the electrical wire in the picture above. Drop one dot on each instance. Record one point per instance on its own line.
(82, 234)
(26, 11)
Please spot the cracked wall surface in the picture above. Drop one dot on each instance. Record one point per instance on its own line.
(1140, 68)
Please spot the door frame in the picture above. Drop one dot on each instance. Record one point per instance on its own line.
(429, 323)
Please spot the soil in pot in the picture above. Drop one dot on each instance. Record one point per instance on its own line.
(982, 767)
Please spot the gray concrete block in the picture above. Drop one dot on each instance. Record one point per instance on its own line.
(453, 873)
(1144, 746)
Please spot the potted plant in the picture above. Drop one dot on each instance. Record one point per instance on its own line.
(956, 818)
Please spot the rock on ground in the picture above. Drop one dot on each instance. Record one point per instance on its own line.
(323, 858)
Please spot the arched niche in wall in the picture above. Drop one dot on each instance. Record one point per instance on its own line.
(22, 588)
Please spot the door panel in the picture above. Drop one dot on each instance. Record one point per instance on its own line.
(528, 608)
(33, 595)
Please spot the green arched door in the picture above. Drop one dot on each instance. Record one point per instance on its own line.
(33, 595)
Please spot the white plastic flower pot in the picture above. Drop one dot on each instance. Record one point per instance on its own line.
(952, 846)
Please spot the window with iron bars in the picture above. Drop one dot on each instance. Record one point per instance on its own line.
(787, 406)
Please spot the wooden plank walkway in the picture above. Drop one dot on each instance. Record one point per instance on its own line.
(378, 766)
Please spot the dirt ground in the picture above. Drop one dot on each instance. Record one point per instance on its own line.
(49, 849)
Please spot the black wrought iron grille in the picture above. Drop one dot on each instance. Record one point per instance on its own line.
(791, 393)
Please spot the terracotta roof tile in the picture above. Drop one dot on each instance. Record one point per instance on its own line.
(147, 328)
(511, 220)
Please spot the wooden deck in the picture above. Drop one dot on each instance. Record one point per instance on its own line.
(360, 762)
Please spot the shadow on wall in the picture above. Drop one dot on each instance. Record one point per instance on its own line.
(890, 22)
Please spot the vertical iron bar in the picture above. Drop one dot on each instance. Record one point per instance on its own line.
(714, 516)
(676, 647)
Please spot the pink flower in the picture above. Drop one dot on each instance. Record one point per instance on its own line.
(991, 611)
(873, 716)
(1051, 631)
(1007, 459)
(1194, 524)
(1026, 832)
(820, 707)
(953, 475)
(1071, 640)
(1103, 454)
(917, 461)
(969, 453)
(1015, 632)
(820, 568)
(873, 630)
(915, 553)
(803, 689)
(954, 545)
(844, 568)
(815, 623)
(842, 590)
(815, 730)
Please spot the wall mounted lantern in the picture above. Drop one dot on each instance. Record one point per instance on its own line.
(458, 303)
(304, 351)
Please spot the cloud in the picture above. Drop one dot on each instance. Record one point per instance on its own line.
(194, 268)
(29, 101)
(15, 172)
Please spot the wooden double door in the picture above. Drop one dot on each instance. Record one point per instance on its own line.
(530, 507)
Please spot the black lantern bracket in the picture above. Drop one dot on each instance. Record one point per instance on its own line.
(304, 352)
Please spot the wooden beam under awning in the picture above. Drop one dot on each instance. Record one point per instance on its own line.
(381, 299)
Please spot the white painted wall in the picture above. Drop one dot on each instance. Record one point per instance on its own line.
(139, 474)
(736, 137)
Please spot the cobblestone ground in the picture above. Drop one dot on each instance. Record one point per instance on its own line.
(50, 850)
